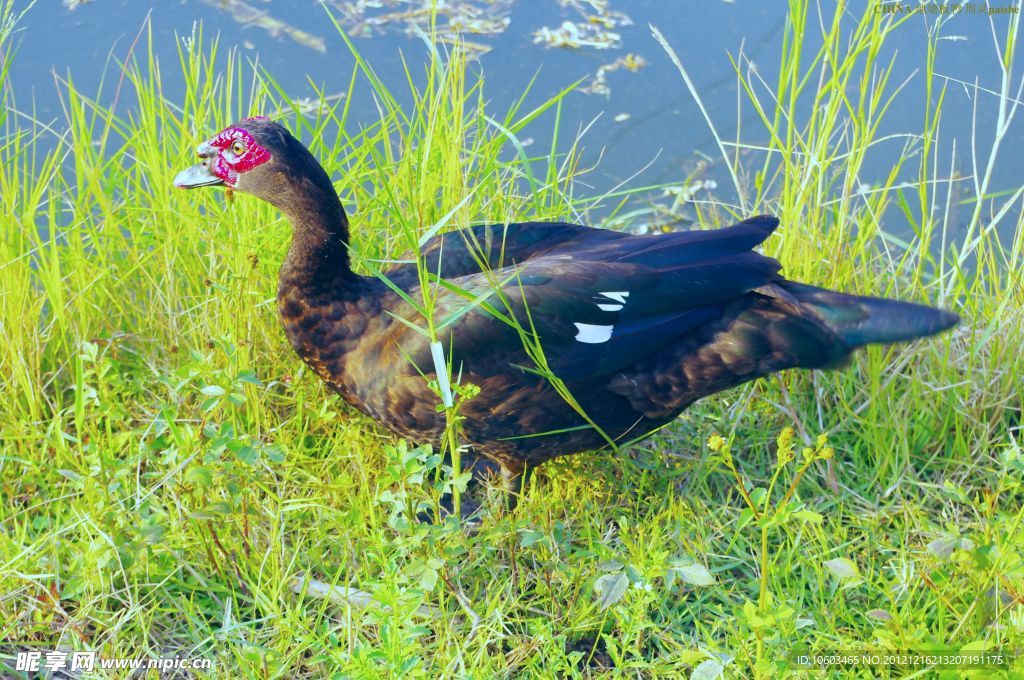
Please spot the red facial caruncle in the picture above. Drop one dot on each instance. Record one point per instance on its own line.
(237, 152)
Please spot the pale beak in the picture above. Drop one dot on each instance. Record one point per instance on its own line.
(199, 175)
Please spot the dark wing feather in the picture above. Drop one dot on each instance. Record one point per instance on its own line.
(643, 293)
(459, 253)
(679, 248)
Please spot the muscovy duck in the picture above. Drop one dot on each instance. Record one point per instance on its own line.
(636, 327)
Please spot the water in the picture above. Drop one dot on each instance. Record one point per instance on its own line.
(647, 130)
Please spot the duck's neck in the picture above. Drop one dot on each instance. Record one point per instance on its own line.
(319, 249)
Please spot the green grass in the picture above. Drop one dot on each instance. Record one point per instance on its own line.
(170, 474)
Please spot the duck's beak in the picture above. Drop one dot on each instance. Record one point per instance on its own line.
(199, 175)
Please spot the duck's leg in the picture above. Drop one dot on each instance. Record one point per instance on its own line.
(510, 479)
(483, 470)
(514, 481)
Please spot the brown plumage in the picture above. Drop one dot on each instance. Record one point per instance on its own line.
(638, 328)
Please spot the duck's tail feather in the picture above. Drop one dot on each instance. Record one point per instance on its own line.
(859, 320)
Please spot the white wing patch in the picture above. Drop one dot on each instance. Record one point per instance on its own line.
(593, 334)
(619, 297)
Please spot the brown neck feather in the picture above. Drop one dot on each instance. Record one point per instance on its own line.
(304, 193)
(319, 247)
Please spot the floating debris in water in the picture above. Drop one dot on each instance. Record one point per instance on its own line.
(75, 4)
(448, 19)
(576, 36)
(622, 117)
(631, 62)
(599, 85)
(311, 106)
(247, 15)
(653, 220)
(686, 193)
(593, 30)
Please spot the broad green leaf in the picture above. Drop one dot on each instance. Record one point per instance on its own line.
(746, 515)
(709, 669)
(153, 533)
(690, 657)
(248, 377)
(275, 452)
(530, 537)
(199, 475)
(213, 511)
(695, 574)
(943, 547)
(843, 569)
(610, 588)
(247, 454)
(758, 496)
(808, 516)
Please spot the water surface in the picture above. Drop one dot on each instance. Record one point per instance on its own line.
(641, 123)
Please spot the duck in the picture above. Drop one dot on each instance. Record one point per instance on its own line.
(579, 339)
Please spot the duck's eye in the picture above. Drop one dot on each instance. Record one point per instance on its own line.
(238, 148)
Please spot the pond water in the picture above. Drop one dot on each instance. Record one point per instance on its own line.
(646, 127)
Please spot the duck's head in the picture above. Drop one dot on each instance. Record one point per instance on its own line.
(260, 157)
(255, 156)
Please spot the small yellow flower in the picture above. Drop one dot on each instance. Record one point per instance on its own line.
(716, 443)
(785, 445)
